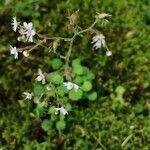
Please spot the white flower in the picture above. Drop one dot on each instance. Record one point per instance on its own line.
(28, 31)
(103, 15)
(99, 41)
(40, 76)
(13, 51)
(28, 95)
(70, 86)
(14, 24)
(25, 53)
(108, 53)
(61, 110)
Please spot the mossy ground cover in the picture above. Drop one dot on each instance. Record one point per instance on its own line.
(120, 117)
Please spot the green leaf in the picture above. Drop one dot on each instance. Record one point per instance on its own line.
(87, 86)
(78, 80)
(68, 107)
(62, 90)
(75, 62)
(52, 110)
(60, 125)
(90, 76)
(40, 110)
(85, 70)
(46, 125)
(56, 63)
(39, 89)
(75, 95)
(78, 69)
(36, 99)
(92, 96)
(54, 117)
(55, 78)
(51, 93)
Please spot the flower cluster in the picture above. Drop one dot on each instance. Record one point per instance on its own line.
(26, 31)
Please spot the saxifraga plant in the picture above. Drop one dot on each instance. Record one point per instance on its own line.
(70, 81)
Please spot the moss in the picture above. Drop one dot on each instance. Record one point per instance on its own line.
(103, 123)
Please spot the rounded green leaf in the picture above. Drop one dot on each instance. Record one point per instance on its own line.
(49, 77)
(62, 90)
(87, 86)
(78, 80)
(92, 96)
(39, 89)
(75, 95)
(52, 110)
(54, 117)
(85, 70)
(68, 107)
(46, 125)
(56, 63)
(36, 99)
(50, 93)
(90, 76)
(60, 125)
(54, 78)
(76, 62)
(78, 69)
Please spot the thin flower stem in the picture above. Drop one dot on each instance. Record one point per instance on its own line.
(38, 44)
(53, 38)
(73, 38)
(24, 48)
(106, 47)
(61, 56)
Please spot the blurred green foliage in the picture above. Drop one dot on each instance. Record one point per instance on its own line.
(122, 81)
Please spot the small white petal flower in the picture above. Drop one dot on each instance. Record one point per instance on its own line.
(61, 110)
(25, 53)
(28, 95)
(13, 51)
(103, 15)
(14, 24)
(75, 87)
(27, 25)
(70, 86)
(40, 76)
(27, 31)
(98, 41)
(108, 53)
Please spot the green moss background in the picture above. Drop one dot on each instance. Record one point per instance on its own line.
(120, 118)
